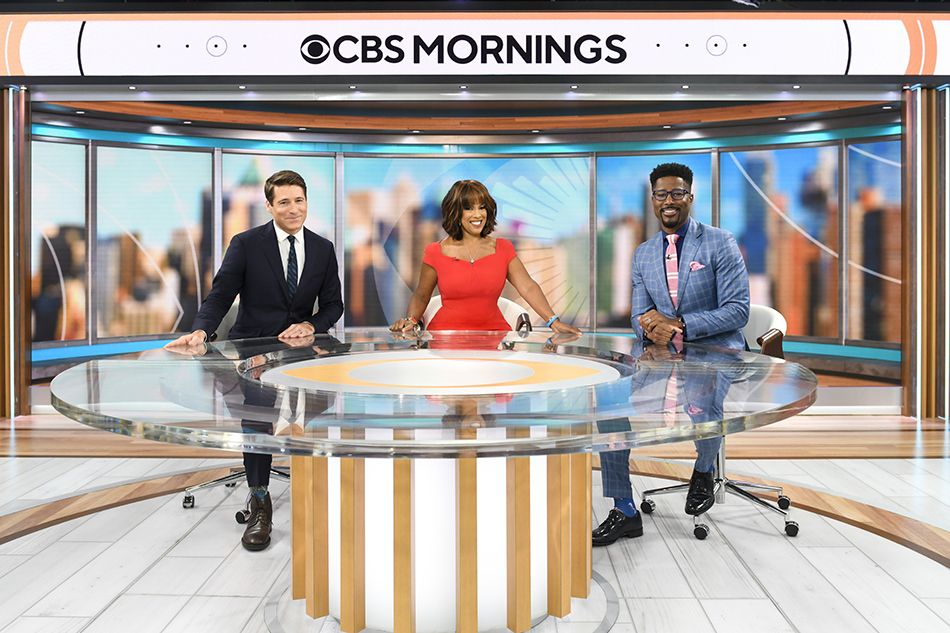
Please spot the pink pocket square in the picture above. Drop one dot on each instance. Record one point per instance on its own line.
(694, 266)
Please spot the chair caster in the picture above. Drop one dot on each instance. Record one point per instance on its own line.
(230, 484)
(242, 516)
(701, 531)
(188, 502)
(784, 502)
(791, 528)
(647, 506)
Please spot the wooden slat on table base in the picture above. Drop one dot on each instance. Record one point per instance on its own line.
(559, 535)
(466, 546)
(581, 555)
(299, 535)
(309, 534)
(352, 545)
(318, 567)
(404, 580)
(519, 543)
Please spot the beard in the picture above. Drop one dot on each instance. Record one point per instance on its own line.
(671, 222)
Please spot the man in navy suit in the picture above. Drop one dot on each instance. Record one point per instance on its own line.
(702, 297)
(287, 278)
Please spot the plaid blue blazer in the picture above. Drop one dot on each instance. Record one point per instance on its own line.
(713, 286)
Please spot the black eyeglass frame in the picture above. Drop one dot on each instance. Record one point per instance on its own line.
(676, 194)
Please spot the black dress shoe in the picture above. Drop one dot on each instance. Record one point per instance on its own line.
(700, 497)
(257, 533)
(617, 525)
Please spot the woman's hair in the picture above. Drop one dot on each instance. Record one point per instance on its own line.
(467, 194)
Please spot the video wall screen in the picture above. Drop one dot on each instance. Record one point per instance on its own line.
(392, 210)
(58, 280)
(782, 207)
(151, 261)
(874, 241)
(147, 233)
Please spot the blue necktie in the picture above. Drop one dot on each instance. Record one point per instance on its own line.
(292, 268)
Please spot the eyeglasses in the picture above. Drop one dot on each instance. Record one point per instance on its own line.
(662, 194)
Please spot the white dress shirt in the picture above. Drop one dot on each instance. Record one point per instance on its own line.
(284, 245)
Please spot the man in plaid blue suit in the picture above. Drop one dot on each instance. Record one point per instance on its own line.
(712, 307)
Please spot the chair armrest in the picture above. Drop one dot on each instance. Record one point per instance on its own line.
(771, 343)
(524, 322)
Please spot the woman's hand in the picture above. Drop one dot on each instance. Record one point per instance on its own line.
(559, 327)
(406, 324)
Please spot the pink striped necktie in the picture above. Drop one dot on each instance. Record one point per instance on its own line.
(671, 399)
(673, 280)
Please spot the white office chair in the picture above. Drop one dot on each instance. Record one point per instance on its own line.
(765, 330)
(763, 334)
(516, 316)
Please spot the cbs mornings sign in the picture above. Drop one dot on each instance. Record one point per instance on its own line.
(427, 52)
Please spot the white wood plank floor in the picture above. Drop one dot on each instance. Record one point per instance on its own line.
(155, 567)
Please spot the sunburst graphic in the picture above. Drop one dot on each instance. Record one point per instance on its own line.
(547, 219)
(392, 213)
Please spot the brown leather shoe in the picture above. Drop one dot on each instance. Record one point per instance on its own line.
(257, 533)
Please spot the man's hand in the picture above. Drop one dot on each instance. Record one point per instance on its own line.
(659, 328)
(188, 343)
(658, 353)
(302, 341)
(298, 330)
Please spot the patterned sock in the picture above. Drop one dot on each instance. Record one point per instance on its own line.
(625, 505)
(259, 491)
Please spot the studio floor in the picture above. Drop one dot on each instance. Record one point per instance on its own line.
(152, 566)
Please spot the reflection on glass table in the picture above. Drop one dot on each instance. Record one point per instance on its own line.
(322, 394)
(480, 500)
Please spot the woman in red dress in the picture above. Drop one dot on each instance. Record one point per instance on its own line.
(471, 268)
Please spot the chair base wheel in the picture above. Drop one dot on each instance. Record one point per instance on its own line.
(242, 516)
(791, 528)
(188, 502)
(647, 506)
(701, 531)
(230, 484)
(784, 502)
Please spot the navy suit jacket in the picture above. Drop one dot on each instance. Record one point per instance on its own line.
(713, 292)
(252, 268)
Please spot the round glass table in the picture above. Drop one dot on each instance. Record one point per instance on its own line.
(439, 481)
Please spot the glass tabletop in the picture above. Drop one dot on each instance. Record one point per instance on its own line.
(371, 393)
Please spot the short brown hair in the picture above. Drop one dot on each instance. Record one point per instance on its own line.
(280, 179)
(466, 194)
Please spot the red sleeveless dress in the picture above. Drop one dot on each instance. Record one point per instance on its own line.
(470, 291)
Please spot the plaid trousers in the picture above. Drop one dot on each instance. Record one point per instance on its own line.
(615, 465)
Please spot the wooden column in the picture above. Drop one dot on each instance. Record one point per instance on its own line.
(519, 544)
(923, 254)
(352, 545)
(581, 556)
(404, 582)
(15, 261)
(559, 535)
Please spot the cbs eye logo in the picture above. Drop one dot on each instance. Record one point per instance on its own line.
(315, 49)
